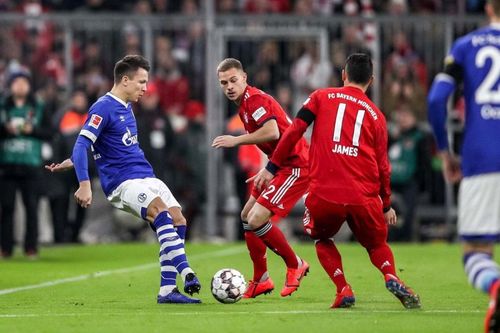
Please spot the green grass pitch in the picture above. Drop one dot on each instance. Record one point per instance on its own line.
(112, 288)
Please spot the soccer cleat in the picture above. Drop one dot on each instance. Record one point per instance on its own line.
(191, 285)
(344, 299)
(255, 289)
(175, 297)
(492, 320)
(293, 277)
(406, 296)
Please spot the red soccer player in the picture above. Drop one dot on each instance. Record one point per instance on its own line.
(349, 177)
(265, 121)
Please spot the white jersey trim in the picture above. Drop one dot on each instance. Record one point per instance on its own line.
(445, 77)
(117, 99)
(89, 135)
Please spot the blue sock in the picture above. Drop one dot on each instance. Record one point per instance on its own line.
(481, 270)
(168, 271)
(181, 231)
(171, 245)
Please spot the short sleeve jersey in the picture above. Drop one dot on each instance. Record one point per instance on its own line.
(348, 155)
(112, 128)
(478, 55)
(255, 110)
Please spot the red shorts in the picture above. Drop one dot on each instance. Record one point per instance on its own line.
(284, 190)
(323, 219)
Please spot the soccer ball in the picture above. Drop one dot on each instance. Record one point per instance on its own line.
(228, 285)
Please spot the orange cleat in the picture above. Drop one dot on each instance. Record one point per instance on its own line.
(344, 299)
(406, 296)
(293, 277)
(255, 289)
(492, 320)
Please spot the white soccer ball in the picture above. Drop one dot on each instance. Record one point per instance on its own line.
(228, 285)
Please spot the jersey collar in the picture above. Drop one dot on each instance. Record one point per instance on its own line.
(117, 99)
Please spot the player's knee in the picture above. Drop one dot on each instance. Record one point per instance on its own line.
(256, 220)
(179, 220)
(156, 207)
(244, 216)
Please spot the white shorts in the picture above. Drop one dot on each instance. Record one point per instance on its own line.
(135, 195)
(479, 207)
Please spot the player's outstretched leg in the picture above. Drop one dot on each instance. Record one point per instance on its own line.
(484, 274)
(276, 241)
(261, 283)
(172, 247)
(382, 258)
(331, 260)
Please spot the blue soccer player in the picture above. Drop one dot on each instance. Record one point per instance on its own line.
(474, 59)
(126, 176)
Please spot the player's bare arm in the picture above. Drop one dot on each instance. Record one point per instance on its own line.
(65, 165)
(83, 195)
(268, 132)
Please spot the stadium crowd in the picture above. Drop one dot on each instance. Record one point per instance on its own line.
(171, 115)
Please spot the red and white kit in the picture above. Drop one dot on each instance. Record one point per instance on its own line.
(291, 181)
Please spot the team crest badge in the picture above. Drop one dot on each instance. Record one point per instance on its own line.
(142, 197)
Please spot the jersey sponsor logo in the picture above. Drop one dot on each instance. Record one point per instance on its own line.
(122, 118)
(95, 121)
(142, 197)
(128, 139)
(258, 113)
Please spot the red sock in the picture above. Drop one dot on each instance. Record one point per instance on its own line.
(257, 250)
(276, 241)
(330, 259)
(383, 259)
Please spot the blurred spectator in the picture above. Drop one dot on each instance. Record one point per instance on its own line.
(409, 154)
(67, 216)
(172, 84)
(191, 156)
(227, 7)
(402, 86)
(303, 7)
(402, 52)
(308, 73)
(23, 127)
(266, 6)
(189, 7)
(156, 135)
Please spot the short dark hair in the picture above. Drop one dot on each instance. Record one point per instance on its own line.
(229, 63)
(359, 68)
(129, 65)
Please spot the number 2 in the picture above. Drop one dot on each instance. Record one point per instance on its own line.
(357, 126)
(485, 92)
(269, 191)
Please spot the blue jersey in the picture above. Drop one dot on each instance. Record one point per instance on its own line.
(112, 128)
(475, 59)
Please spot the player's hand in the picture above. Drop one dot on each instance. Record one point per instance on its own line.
(225, 141)
(451, 168)
(261, 179)
(65, 165)
(390, 217)
(83, 195)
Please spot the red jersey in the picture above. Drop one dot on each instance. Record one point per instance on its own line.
(255, 109)
(348, 155)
